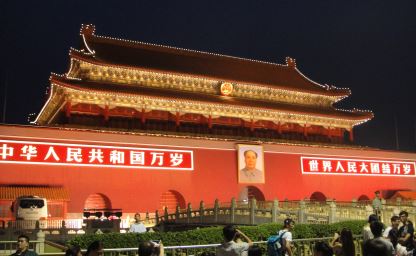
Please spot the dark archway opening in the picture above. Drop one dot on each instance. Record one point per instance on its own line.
(318, 196)
(250, 192)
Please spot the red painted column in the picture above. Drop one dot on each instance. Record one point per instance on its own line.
(68, 108)
(209, 121)
(177, 119)
(305, 131)
(143, 116)
(351, 135)
(106, 113)
(279, 128)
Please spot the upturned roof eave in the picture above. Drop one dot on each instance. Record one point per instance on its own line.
(89, 39)
(356, 115)
(339, 93)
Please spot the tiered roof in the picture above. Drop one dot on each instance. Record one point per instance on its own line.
(132, 54)
(117, 72)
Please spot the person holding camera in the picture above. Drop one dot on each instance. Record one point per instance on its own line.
(95, 249)
(343, 243)
(229, 247)
(322, 249)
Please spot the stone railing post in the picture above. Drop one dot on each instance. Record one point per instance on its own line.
(302, 212)
(252, 214)
(383, 204)
(189, 213)
(232, 210)
(369, 210)
(398, 201)
(166, 214)
(63, 231)
(201, 211)
(10, 225)
(177, 213)
(63, 224)
(275, 210)
(285, 203)
(37, 226)
(216, 210)
(156, 217)
(385, 216)
(332, 218)
(328, 201)
(146, 218)
(40, 246)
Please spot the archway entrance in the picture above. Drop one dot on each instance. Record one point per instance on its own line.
(170, 199)
(318, 196)
(250, 192)
(97, 201)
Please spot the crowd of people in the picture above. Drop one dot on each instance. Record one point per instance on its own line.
(397, 239)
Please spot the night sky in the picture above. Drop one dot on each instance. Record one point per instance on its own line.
(367, 46)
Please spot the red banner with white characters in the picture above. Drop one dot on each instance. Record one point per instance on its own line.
(50, 153)
(357, 167)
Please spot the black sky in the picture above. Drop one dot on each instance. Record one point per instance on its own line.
(367, 46)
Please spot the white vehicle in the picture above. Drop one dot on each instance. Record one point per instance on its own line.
(30, 208)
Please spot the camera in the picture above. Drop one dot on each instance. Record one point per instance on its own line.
(156, 248)
(156, 243)
(150, 248)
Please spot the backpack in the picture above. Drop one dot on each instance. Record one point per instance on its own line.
(276, 245)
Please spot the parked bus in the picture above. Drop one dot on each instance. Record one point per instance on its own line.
(30, 208)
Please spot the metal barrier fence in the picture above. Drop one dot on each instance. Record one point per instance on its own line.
(302, 247)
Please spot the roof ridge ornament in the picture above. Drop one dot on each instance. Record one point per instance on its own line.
(290, 62)
(87, 31)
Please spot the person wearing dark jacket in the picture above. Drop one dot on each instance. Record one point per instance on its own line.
(23, 247)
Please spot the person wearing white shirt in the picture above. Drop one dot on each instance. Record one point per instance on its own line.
(395, 223)
(137, 226)
(367, 235)
(286, 233)
(229, 247)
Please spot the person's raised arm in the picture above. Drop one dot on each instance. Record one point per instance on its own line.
(334, 240)
(162, 250)
(250, 243)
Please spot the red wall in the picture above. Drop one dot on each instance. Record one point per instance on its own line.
(214, 175)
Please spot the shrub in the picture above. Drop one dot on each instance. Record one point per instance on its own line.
(213, 235)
